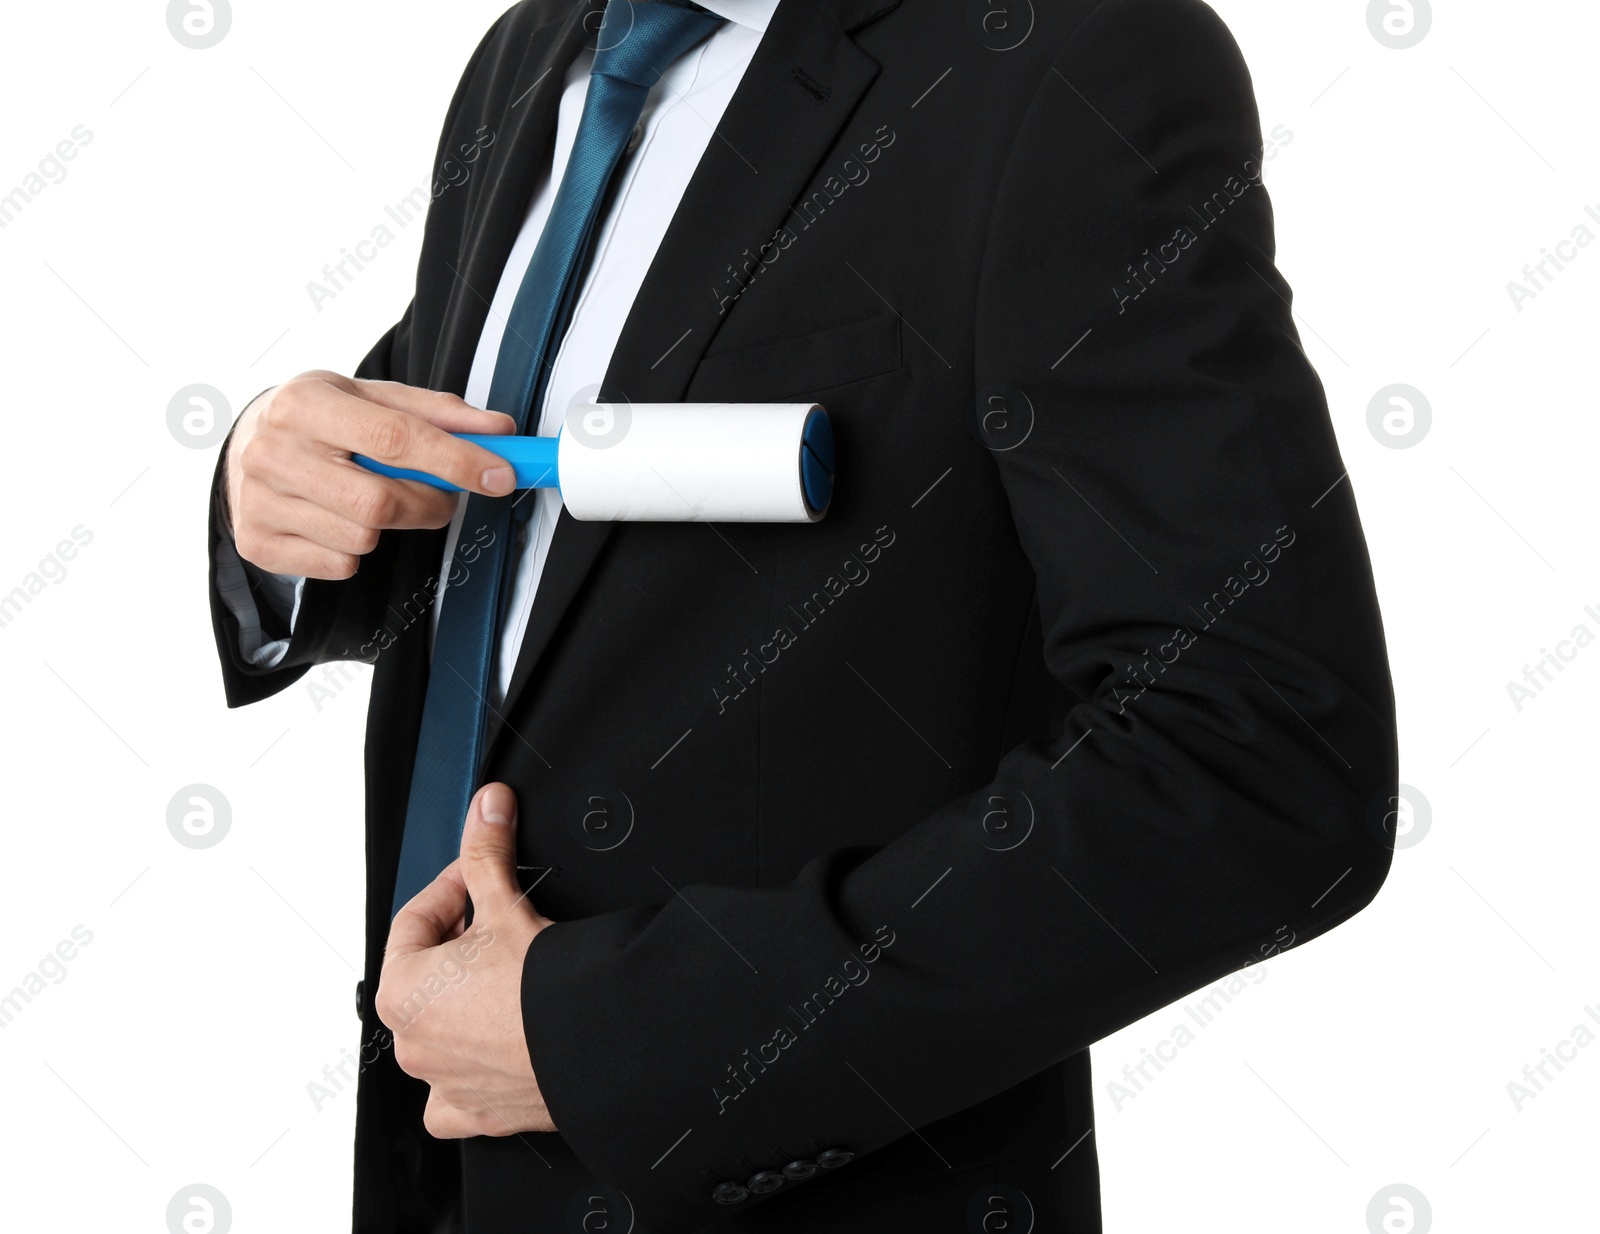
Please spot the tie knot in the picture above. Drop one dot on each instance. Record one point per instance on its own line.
(639, 39)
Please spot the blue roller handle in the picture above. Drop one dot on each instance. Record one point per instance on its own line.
(533, 459)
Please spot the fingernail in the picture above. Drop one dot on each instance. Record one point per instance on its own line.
(497, 805)
(499, 480)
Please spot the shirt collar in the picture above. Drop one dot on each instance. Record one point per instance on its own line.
(753, 14)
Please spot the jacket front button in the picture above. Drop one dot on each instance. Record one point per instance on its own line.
(729, 1193)
(361, 1003)
(833, 1158)
(765, 1182)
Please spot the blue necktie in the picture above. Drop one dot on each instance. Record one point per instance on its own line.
(638, 40)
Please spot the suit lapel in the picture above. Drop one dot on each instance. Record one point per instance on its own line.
(801, 86)
(500, 197)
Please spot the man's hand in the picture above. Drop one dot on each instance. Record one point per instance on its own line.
(299, 504)
(452, 994)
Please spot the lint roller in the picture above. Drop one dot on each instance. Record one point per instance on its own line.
(673, 462)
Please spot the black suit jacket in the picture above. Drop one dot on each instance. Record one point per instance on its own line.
(858, 834)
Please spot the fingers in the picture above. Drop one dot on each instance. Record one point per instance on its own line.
(440, 409)
(289, 535)
(332, 481)
(294, 516)
(489, 851)
(296, 555)
(297, 502)
(443, 1121)
(349, 422)
(427, 919)
(443, 411)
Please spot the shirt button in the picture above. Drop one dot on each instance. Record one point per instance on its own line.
(833, 1158)
(765, 1182)
(798, 1171)
(635, 137)
(729, 1193)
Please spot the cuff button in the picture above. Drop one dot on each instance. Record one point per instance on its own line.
(765, 1182)
(729, 1193)
(798, 1171)
(833, 1158)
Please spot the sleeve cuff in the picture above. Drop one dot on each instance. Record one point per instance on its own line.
(690, 1082)
(265, 627)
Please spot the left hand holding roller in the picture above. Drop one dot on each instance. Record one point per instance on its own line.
(674, 462)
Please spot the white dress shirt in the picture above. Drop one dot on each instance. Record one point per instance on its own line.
(680, 115)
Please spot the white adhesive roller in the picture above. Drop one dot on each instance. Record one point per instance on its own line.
(675, 462)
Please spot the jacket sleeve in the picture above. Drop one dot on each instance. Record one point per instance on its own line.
(1211, 783)
(262, 648)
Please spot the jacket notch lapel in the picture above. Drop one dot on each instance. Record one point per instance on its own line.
(801, 87)
(499, 197)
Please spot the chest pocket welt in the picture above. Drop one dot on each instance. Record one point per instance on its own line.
(807, 364)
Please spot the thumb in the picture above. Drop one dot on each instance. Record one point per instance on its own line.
(489, 850)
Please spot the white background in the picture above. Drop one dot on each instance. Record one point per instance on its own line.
(178, 1047)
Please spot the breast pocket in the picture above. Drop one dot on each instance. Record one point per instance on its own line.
(807, 365)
